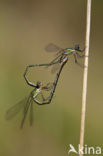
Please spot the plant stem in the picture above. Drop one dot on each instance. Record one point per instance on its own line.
(84, 92)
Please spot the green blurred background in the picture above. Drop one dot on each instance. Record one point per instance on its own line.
(26, 27)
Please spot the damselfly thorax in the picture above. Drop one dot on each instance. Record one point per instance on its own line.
(68, 51)
(35, 92)
(65, 53)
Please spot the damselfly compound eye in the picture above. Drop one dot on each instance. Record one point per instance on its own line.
(39, 83)
(77, 47)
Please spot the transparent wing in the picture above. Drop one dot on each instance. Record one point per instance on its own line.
(15, 109)
(52, 48)
(55, 68)
(29, 100)
(31, 115)
(55, 63)
(56, 59)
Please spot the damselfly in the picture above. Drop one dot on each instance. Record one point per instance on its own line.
(64, 53)
(27, 103)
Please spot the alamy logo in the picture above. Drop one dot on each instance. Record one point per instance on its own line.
(85, 150)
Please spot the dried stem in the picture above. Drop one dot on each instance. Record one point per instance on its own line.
(84, 92)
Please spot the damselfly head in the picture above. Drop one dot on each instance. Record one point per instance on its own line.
(77, 47)
(39, 84)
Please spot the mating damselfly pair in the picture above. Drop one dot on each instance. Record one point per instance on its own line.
(38, 88)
